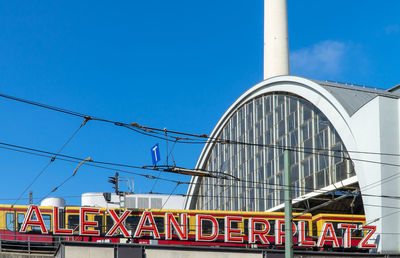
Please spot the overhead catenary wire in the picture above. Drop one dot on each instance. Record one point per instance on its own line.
(150, 130)
(169, 196)
(54, 108)
(149, 134)
(165, 179)
(74, 159)
(232, 197)
(52, 159)
(169, 152)
(124, 171)
(203, 135)
(182, 182)
(216, 174)
(66, 180)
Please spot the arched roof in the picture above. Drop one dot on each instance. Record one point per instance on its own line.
(338, 102)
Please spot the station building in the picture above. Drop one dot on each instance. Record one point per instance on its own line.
(344, 144)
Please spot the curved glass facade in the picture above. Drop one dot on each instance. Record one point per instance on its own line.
(276, 119)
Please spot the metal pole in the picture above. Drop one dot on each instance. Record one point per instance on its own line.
(288, 206)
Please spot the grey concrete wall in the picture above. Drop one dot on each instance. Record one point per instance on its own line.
(88, 252)
(18, 255)
(197, 254)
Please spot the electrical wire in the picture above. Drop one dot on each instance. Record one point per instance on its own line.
(151, 130)
(51, 160)
(136, 126)
(179, 139)
(163, 179)
(181, 182)
(178, 182)
(78, 159)
(74, 159)
(169, 196)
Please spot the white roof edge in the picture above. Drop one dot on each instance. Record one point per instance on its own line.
(309, 90)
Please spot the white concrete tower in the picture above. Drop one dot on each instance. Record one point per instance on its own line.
(276, 43)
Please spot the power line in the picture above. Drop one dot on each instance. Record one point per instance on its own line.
(58, 109)
(74, 159)
(229, 197)
(169, 196)
(163, 179)
(51, 160)
(149, 131)
(77, 159)
(238, 183)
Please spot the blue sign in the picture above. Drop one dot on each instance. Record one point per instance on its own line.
(155, 154)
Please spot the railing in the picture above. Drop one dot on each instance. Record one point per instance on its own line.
(44, 244)
(31, 244)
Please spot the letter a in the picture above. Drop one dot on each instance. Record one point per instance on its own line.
(29, 222)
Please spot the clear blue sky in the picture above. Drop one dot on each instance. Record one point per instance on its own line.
(173, 64)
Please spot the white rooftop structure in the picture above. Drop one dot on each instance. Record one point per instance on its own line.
(133, 201)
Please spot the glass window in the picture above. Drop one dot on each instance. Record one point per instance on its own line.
(20, 220)
(99, 219)
(295, 173)
(292, 122)
(322, 160)
(159, 223)
(306, 113)
(131, 222)
(281, 162)
(337, 154)
(47, 221)
(259, 109)
(37, 228)
(309, 184)
(269, 121)
(109, 222)
(280, 99)
(292, 105)
(10, 221)
(267, 104)
(249, 115)
(320, 177)
(270, 200)
(308, 147)
(281, 128)
(304, 132)
(73, 222)
(274, 119)
(206, 227)
(341, 170)
(270, 169)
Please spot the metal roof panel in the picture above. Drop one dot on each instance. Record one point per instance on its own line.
(352, 98)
